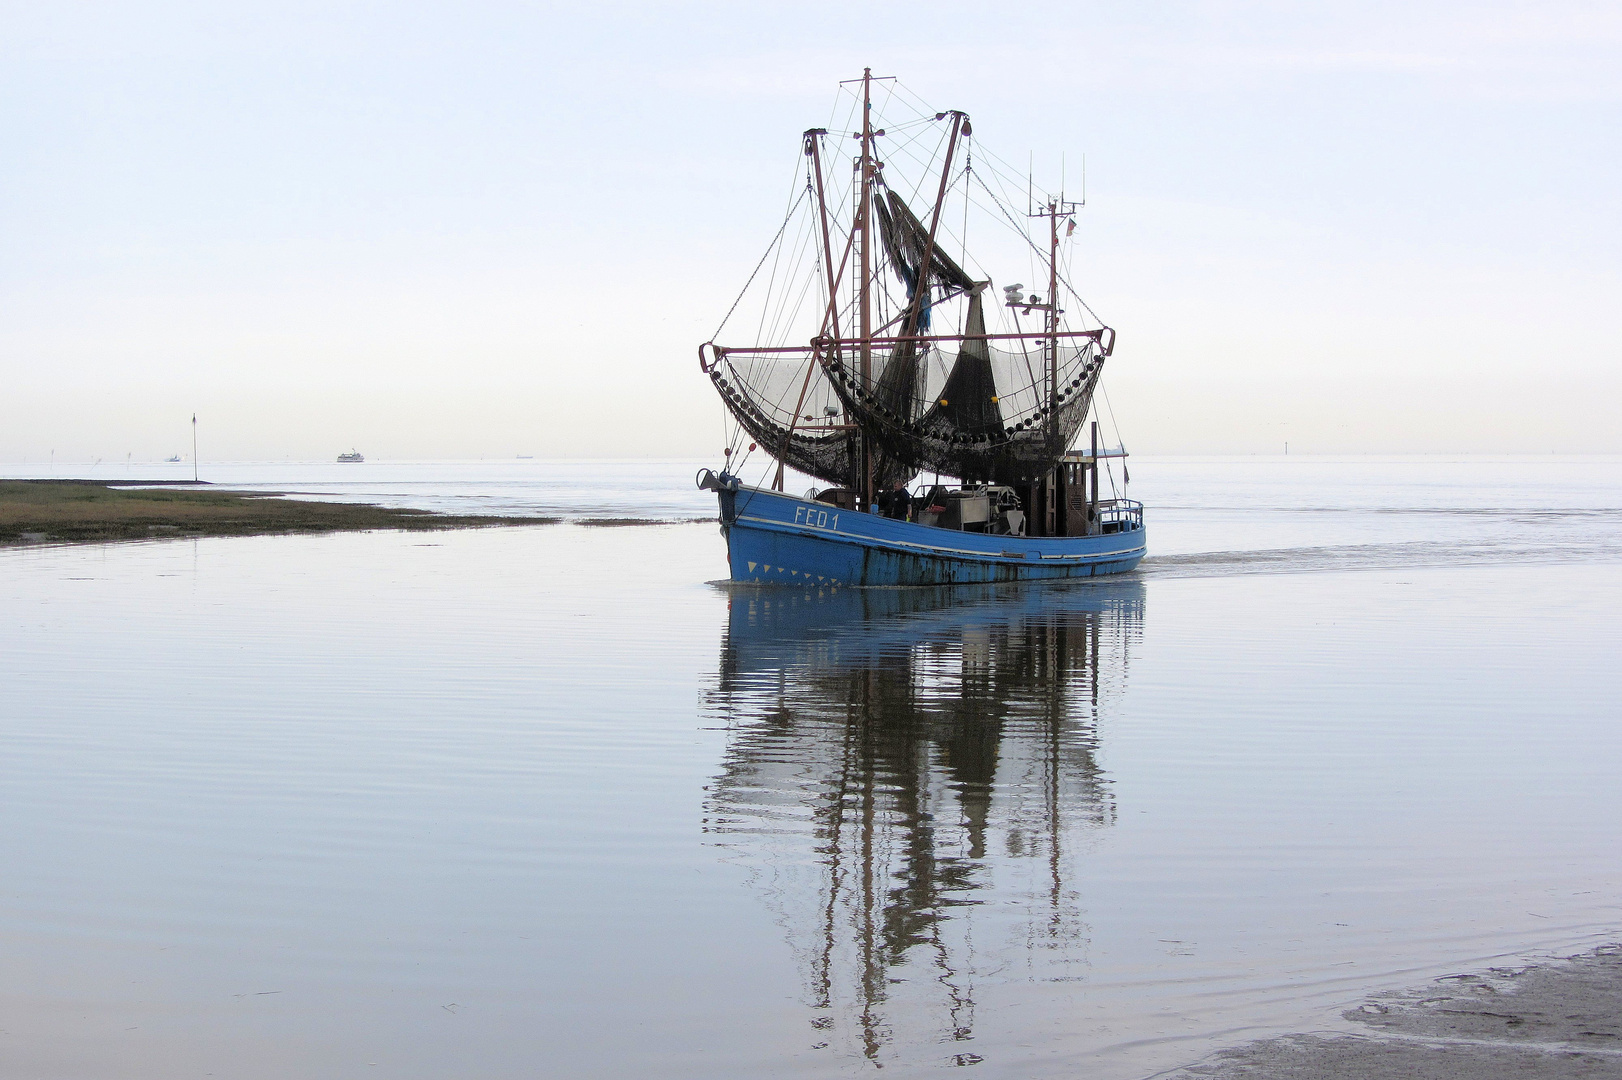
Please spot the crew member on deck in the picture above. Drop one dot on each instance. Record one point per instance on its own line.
(896, 503)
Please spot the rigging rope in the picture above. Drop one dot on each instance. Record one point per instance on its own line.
(1062, 278)
(1126, 476)
(781, 229)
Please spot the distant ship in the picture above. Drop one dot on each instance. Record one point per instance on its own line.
(172, 458)
(353, 455)
(873, 385)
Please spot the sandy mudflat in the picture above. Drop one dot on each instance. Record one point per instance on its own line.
(1557, 1019)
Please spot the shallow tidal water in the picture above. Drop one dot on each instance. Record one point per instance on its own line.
(548, 802)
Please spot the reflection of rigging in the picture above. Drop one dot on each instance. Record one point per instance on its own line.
(897, 761)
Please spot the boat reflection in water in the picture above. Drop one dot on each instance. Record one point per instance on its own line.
(909, 777)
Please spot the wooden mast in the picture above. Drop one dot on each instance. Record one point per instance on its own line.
(1092, 504)
(1053, 323)
(813, 140)
(831, 317)
(865, 304)
(1054, 483)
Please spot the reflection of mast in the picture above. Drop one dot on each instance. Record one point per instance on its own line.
(890, 776)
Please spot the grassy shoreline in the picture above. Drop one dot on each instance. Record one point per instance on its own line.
(95, 511)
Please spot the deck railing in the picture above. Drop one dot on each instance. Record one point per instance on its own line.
(1120, 515)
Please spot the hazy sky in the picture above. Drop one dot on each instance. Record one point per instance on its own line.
(487, 229)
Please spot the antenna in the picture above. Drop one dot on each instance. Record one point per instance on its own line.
(1029, 169)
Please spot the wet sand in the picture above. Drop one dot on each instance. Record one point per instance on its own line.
(1561, 1019)
(94, 511)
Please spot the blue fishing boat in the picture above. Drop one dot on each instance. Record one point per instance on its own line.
(876, 368)
(775, 537)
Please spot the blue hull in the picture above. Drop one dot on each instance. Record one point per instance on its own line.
(781, 539)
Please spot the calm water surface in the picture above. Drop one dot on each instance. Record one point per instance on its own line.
(535, 802)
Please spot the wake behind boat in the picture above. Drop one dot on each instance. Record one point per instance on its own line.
(899, 376)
